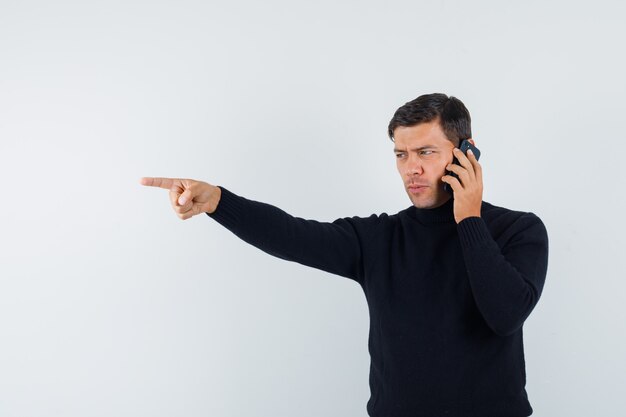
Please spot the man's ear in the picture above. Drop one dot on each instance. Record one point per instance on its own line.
(470, 140)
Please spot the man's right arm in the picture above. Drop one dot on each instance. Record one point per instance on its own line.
(333, 247)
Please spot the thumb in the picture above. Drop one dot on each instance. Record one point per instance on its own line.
(185, 197)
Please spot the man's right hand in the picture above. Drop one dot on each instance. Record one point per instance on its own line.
(188, 197)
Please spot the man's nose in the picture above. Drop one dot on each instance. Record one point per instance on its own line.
(414, 165)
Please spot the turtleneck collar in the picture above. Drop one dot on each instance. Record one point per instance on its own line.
(441, 214)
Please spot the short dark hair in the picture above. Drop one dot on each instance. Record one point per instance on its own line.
(453, 116)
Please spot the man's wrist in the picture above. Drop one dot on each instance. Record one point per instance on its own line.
(216, 195)
(467, 217)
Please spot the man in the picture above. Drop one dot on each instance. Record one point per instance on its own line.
(449, 281)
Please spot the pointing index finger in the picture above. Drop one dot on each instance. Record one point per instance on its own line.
(158, 182)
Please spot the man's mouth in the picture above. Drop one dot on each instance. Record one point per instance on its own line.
(416, 188)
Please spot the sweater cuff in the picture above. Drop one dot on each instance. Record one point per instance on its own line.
(228, 209)
(473, 232)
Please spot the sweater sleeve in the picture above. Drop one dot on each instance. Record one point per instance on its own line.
(333, 247)
(506, 282)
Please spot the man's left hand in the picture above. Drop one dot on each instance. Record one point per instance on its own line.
(468, 192)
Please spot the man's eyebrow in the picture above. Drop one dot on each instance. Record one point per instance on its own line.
(421, 148)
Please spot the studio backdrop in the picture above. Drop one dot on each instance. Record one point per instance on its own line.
(111, 305)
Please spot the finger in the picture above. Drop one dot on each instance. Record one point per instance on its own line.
(185, 207)
(453, 182)
(186, 197)
(158, 182)
(461, 172)
(187, 215)
(174, 194)
(478, 169)
(463, 161)
(177, 196)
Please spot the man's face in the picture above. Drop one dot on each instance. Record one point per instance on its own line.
(422, 153)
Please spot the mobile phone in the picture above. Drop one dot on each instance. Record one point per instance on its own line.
(464, 147)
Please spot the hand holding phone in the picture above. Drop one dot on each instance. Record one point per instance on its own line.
(464, 147)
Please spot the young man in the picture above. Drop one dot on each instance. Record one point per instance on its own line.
(449, 281)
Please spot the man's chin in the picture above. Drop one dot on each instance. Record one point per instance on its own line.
(421, 202)
(421, 205)
(426, 202)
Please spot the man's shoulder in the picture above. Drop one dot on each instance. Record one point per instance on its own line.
(493, 211)
(369, 225)
(502, 218)
(369, 221)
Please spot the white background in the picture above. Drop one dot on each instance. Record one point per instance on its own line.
(111, 305)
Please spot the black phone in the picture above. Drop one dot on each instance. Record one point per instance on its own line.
(464, 147)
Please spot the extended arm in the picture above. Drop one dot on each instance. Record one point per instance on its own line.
(333, 247)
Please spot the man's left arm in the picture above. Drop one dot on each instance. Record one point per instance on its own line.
(506, 282)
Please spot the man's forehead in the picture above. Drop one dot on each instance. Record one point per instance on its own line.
(400, 147)
(420, 135)
(416, 141)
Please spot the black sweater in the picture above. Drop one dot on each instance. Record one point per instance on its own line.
(446, 301)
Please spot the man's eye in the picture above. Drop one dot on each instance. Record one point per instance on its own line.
(426, 152)
(399, 155)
